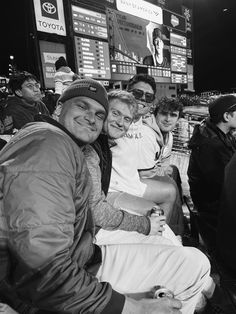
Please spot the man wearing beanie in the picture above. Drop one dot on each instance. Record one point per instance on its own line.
(212, 146)
(48, 260)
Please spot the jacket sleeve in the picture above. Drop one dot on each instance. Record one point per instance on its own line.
(206, 164)
(105, 215)
(46, 200)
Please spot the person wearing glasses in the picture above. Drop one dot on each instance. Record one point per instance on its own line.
(212, 147)
(125, 177)
(26, 101)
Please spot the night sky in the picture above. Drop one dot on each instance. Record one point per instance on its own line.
(214, 41)
(215, 45)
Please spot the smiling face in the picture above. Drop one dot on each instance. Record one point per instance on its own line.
(119, 118)
(30, 91)
(83, 117)
(166, 120)
(143, 106)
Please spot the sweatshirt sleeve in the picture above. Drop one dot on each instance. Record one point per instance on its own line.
(105, 215)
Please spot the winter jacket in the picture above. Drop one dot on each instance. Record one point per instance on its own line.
(47, 256)
(226, 234)
(23, 113)
(63, 78)
(211, 150)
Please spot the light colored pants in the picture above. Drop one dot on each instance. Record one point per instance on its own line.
(106, 237)
(137, 268)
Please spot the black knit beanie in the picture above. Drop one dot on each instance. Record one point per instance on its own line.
(86, 87)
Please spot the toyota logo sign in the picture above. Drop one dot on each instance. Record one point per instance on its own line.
(49, 8)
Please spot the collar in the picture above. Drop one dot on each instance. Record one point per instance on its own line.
(44, 118)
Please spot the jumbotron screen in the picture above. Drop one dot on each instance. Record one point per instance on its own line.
(91, 45)
(92, 58)
(139, 41)
(89, 22)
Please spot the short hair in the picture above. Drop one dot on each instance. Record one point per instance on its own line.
(142, 78)
(124, 97)
(166, 104)
(18, 78)
(157, 33)
(61, 62)
(220, 105)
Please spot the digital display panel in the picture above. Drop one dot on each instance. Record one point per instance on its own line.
(92, 58)
(159, 72)
(123, 67)
(178, 40)
(89, 22)
(139, 41)
(178, 50)
(179, 78)
(178, 63)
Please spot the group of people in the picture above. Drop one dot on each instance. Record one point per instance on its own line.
(79, 191)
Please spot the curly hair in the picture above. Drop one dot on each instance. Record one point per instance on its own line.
(166, 104)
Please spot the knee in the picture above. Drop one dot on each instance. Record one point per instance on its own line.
(171, 192)
(196, 259)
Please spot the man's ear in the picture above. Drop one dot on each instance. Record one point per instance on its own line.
(18, 92)
(226, 116)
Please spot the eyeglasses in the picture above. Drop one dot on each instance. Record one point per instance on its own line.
(138, 94)
(32, 86)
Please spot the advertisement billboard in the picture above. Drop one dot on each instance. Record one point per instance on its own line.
(140, 8)
(49, 53)
(49, 15)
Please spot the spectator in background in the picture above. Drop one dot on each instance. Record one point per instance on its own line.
(212, 146)
(26, 101)
(64, 76)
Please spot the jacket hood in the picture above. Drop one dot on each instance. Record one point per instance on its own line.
(202, 133)
(64, 69)
(150, 121)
